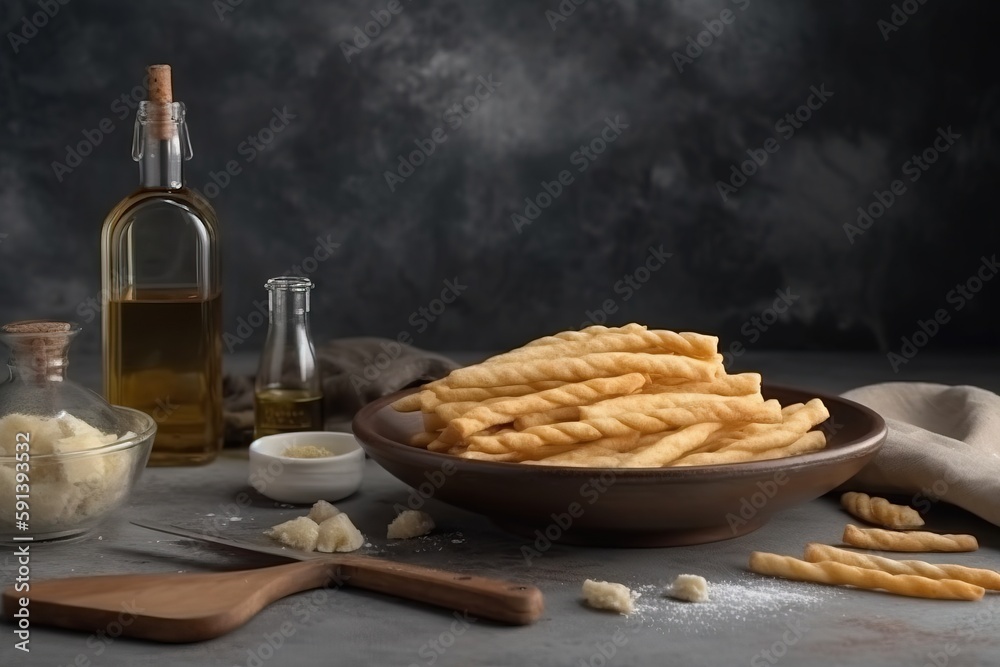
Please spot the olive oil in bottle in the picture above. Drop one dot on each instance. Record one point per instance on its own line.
(286, 410)
(162, 291)
(287, 392)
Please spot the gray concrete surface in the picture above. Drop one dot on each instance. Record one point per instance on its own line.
(751, 621)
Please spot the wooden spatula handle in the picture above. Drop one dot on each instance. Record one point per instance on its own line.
(195, 607)
(480, 597)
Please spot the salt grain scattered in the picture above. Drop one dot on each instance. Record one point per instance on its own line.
(730, 601)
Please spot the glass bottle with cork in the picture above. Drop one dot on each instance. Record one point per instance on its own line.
(162, 292)
(288, 395)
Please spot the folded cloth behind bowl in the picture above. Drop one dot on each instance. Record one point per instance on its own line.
(943, 443)
(355, 371)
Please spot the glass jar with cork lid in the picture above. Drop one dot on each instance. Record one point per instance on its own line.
(67, 458)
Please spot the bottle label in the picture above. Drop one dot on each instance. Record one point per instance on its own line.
(296, 415)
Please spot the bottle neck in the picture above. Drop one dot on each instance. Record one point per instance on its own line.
(34, 370)
(161, 145)
(39, 350)
(288, 308)
(160, 165)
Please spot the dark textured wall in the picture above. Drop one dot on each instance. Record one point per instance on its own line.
(552, 86)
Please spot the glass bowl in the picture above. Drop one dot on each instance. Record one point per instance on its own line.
(68, 494)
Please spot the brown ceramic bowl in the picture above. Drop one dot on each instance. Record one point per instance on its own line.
(627, 507)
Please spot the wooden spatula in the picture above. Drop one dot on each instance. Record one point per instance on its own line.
(193, 607)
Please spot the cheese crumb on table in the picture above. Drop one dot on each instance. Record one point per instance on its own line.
(306, 452)
(322, 511)
(410, 523)
(610, 596)
(301, 533)
(338, 534)
(689, 587)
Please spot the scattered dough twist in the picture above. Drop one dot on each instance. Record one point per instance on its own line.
(829, 572)
(979, 577)
(880, 511)
(887, 540)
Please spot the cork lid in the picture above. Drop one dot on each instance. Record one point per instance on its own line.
(161, 90)
(161, 98)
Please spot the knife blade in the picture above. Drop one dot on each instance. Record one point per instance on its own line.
(504, 601)
(282, 552)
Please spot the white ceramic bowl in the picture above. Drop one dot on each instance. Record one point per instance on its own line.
(304, 481)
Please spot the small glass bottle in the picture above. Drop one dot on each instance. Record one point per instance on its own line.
(162, 291)
(288, 395)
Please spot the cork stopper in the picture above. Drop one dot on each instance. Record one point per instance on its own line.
(161, 90)
(37, 327)
(161, 97)
(40, 347)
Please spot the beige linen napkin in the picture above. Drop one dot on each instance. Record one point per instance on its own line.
(943, 444)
